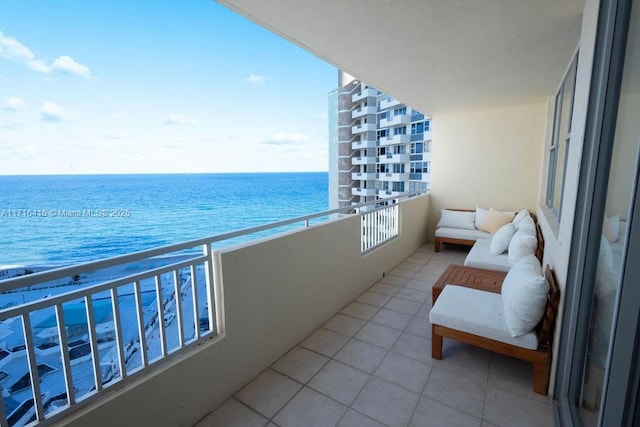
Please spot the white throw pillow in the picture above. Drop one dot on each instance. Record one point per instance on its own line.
(457, 219)
(520, 216)
(605, 256)
(611, 228)
(480, 214)
(527, 224)
(500, 240)
(521, 245)
(524, 296)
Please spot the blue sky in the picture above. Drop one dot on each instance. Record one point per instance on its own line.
(155, 87)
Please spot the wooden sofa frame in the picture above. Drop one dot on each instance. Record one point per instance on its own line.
(539, 249)
(539, 358)
(440, 240)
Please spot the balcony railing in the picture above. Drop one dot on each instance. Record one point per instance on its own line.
(147, 308)
(379, 227)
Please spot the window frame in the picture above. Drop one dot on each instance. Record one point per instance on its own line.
(560, 139)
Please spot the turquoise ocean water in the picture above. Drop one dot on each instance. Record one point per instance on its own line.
(59, 220)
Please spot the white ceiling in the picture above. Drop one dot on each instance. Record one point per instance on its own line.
(434, 55)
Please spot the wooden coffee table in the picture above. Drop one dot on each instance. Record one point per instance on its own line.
(476, 278)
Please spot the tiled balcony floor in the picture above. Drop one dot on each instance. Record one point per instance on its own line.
(370, 365)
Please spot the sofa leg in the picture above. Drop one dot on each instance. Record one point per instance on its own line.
(540, 377)
(436, 344)
(437, 245)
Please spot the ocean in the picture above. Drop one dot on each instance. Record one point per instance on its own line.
(65, 219)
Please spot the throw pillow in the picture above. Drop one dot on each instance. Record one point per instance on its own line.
(521, 245)
(524, 296)
(500, 240)
(611, 228)
(456, 219)
(520, 216)
(494, 220)
(527, 223)
(481, 213)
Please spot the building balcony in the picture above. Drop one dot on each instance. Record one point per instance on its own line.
(364, 93)
(400, 119)
(360, 191)
(396, 158)
(391, 176)
(398, 139)
(363, 111)
(363, 176)
(363, 127)
(363, 160)
(364, 143)
(388, 102)
(301, 334)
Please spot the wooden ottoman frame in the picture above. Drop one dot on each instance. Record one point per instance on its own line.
(491, 281)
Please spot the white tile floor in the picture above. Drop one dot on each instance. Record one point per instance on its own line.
(370, 365)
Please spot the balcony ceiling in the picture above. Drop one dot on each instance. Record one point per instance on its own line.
(435, 55)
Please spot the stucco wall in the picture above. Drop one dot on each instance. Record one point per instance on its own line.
(487, 158)
(274, 293)
(558, 235)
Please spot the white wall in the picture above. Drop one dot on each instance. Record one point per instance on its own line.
(487, 158)
(558, 235)
(275, 294)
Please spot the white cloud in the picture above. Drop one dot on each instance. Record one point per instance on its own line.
(256, 79)
(12, 50)
(180, 119)
(287, 138)
(52, 112)
(116, 135)
(13, 103)
(69, 65)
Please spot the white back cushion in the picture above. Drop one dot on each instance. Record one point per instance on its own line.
(522, 244)
(457, 219)
(524, 296)
(500, 240)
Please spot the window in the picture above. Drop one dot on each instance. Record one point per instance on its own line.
(398, 186)
(383, 133)
(427, 146)
(384, 115)
(560, 139)
(416, 147)
(417, 128)
(416, 167)
(398, 168)
(382, 151)
(398, 111)
(402, 130)
(427, 125)
(425, 167)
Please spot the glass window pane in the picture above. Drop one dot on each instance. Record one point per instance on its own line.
(613, 240)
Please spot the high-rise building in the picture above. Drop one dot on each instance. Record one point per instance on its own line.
(378, 146)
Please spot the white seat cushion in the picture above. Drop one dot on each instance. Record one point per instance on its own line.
(480, 256)
(482, 315)
(462, 233)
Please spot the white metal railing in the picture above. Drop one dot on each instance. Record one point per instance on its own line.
(60, 350)
(379, 226)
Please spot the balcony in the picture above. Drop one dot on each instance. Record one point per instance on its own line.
(364, 93)
(363, 160)
(360, 191)
(363, 111)
(388, 102)
(364, 143)
(336, 338)
(400, 119)
(378, 346)
(398, 139)
(363, 176)
(396, 158)
(364, 127)
(390, 176)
